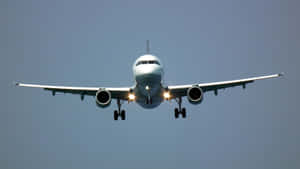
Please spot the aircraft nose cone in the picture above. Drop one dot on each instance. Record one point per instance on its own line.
(149, 70)
(149, 73)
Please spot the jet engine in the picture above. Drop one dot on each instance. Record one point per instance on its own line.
(195, 95)
(103, 98)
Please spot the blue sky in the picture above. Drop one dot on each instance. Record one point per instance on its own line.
(94, 43)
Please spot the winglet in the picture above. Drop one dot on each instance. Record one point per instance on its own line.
(281, 74)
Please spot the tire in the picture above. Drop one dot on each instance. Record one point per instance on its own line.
(183, 113)
(176, 113)
(116, 115)
(123, 115)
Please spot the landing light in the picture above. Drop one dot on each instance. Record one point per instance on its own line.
(131, 97)
(167, 95)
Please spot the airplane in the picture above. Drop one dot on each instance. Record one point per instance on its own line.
(149, 90)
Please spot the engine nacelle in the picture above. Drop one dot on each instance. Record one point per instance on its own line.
(195, 95)
(103, 98)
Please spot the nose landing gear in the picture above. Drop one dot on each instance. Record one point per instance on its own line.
(179, 110)
(119, 113)
(149, 100)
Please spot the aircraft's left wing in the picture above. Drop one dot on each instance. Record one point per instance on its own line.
(181, 90)
(116, 93)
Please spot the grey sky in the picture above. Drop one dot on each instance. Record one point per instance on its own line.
(94, 43)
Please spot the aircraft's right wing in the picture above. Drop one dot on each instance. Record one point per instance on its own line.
(181, 90)
(116, 93)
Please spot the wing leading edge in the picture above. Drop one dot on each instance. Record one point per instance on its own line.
(116, 93)
(181, 90)
(122, 93)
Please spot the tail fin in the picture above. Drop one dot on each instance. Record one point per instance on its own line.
(148, 47)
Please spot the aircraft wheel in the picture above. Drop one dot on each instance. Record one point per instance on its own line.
(176, 113)
(116, 115)
(183, 113)
(123, 115)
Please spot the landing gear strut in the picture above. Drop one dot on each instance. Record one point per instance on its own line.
(149, 100)
(179, 110)
(119, 112)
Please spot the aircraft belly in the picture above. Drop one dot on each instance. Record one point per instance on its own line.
(155, 94)
(156, 101)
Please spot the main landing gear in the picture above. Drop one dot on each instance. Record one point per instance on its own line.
(119, 113)
(179, 110)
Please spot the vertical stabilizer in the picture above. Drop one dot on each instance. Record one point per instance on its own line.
(148, 47)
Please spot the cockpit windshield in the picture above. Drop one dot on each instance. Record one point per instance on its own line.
(143, 62)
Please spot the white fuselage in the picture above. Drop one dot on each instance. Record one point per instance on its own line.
(148, 74)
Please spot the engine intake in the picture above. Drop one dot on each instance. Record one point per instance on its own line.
(195, 95)
(103, 98)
